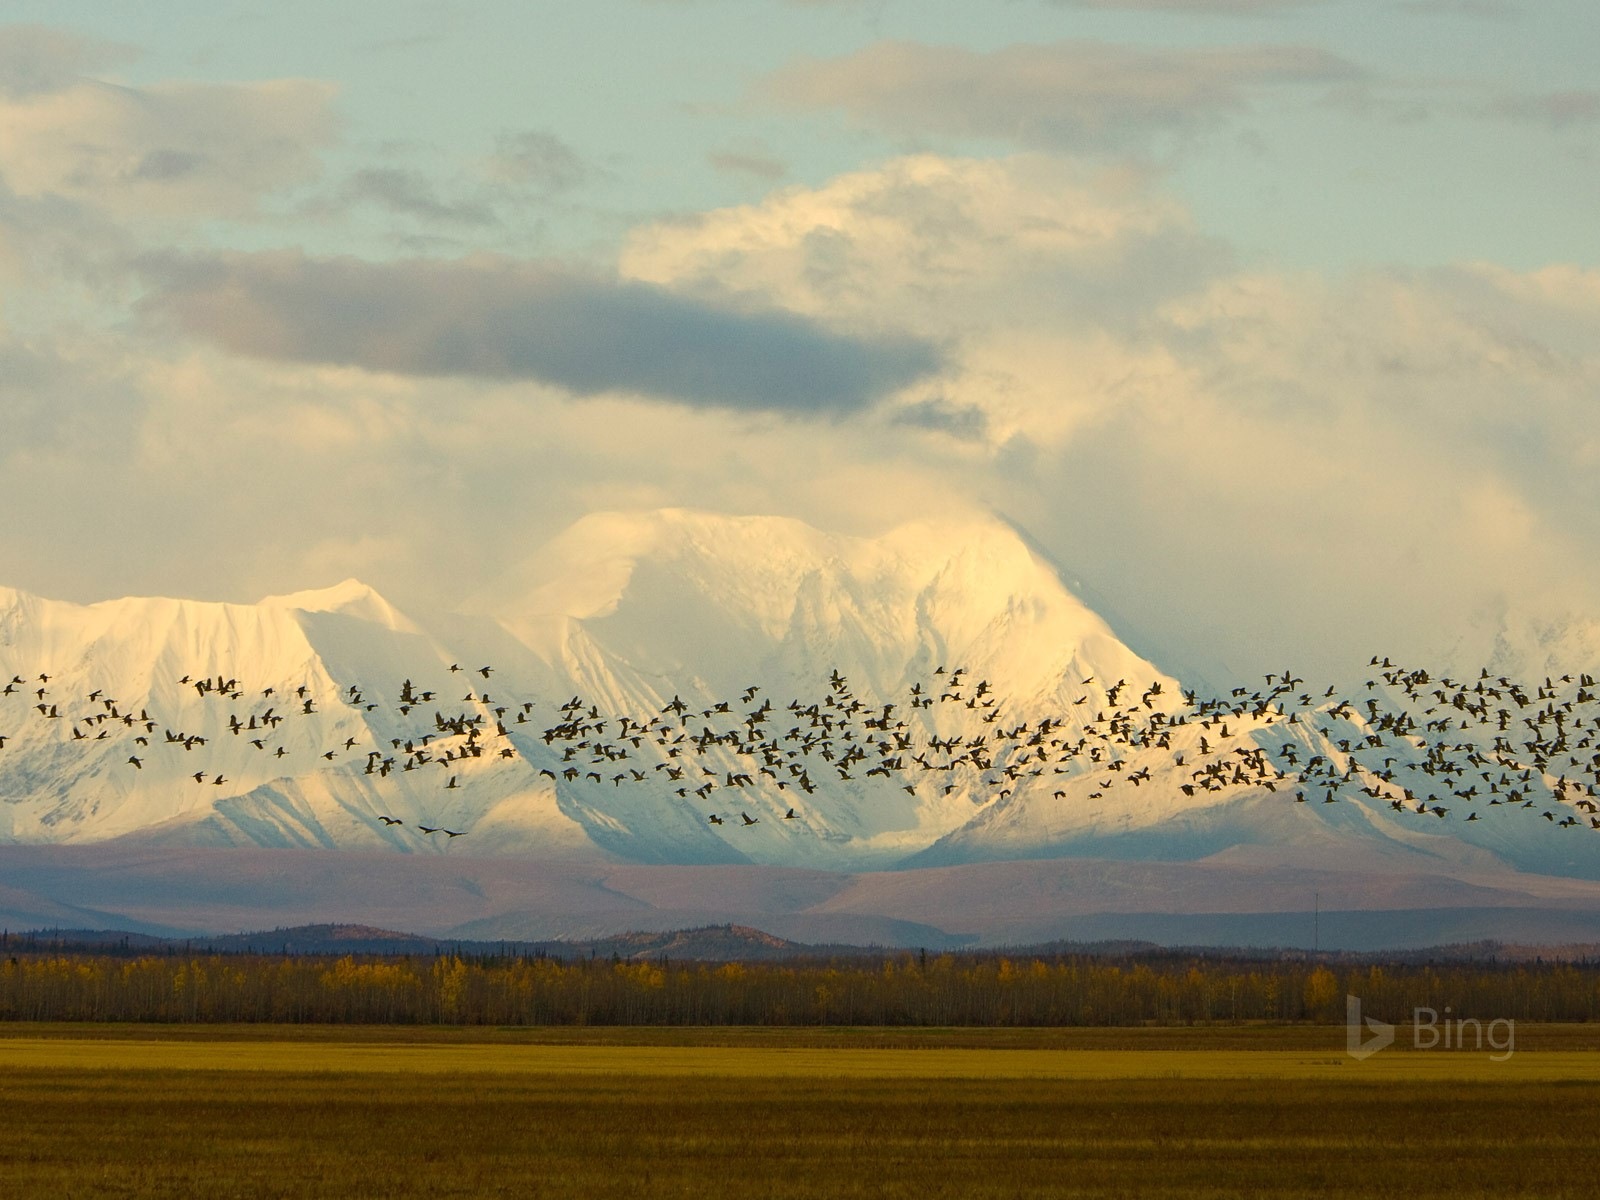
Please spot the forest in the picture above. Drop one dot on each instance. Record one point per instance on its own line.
(909, 989)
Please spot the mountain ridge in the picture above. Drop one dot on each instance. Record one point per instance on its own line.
(947, 699)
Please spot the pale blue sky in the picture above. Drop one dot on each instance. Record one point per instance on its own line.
(1407, 164)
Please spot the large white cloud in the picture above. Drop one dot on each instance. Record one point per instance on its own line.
(1247, 462)
(895, 243)
(1035, 273)
(1392, 461)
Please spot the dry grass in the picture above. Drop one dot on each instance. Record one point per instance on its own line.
(1565, 1036)
(395, 1113)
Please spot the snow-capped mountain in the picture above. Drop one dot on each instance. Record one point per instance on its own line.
(224, 724)
(686, 687)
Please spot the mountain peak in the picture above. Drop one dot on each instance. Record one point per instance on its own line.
(584, 571)
(935, 690)
(681, 594)
(350, 598)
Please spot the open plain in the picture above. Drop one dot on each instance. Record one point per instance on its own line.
(116, 1110)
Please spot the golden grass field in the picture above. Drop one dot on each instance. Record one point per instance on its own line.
(1203, 1112)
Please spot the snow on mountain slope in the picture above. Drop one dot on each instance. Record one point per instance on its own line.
(226, 723)
(706, 600)
(687, 687)
(352, 598)
(636, 608)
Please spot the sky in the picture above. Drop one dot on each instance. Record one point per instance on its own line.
(1272, 322)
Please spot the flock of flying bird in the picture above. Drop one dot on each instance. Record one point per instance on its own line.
(1432, 747)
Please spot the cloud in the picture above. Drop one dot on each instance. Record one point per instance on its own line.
(758, 166)
(539, 159)
(1199, 7)
(869, 5)
(1493, 10)
(410, 193)
(528, 171)
(1389, 460)
(51, 401)
(1034, 273)
(170, 149)
(1557, 110)
(1244, 465)
(35, 60)
(938, 244)
(1268, 467)
(1070, 95)
(504, 320)
(183, 456)
(1273, 467)
(964, 422)
(46, 240)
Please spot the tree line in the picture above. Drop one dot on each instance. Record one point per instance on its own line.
(906, 990)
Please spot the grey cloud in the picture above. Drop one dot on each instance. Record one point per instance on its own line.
(1383, 101)
(497, 319)
(58, 399)
(50, 239)
(869, 5)
(166, 165)
(36, 60)
(29, 418)
(1558, 110)
(1494, 10)
(1202, 7)
(540, 159)
(410, 193)
(170, 148)
(964, 422)
(1071, 95)
(759, 166)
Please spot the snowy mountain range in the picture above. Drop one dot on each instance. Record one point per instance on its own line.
(576, 717)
